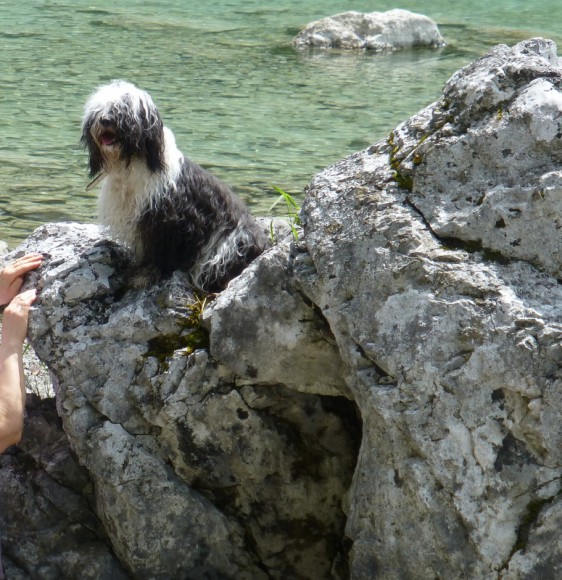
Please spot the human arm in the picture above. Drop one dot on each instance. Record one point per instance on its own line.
(11, 277)
(12, 380)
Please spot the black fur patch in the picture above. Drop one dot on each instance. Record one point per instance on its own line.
(185, 218)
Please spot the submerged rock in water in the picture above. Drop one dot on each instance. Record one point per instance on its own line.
(419, 315)
(390, 30)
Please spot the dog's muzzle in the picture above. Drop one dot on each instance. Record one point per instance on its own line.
(104, 132)
(107, 138)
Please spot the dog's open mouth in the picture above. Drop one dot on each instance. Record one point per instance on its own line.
(107, 138)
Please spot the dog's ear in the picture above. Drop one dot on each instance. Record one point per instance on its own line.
(87, 141)
(153, 135)
(154, 149)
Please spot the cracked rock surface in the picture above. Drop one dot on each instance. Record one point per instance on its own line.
(381, 399)
(188, 468)
(435, 259)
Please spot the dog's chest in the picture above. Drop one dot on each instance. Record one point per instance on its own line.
(122, 201)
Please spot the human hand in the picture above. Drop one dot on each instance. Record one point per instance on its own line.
(16, 315)
(11, 277)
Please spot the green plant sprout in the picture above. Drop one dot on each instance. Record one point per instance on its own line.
(293, 210)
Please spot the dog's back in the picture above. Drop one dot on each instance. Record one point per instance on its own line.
(199, 225)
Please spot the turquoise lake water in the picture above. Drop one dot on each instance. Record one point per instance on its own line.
(239, 99)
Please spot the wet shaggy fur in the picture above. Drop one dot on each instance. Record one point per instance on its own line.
(169, 210)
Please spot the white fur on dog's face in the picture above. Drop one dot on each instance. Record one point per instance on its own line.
(121, 122)
(117, 96)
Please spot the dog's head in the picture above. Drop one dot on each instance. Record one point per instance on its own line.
(120, 123)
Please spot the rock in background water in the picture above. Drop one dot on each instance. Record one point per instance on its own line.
(391, 30)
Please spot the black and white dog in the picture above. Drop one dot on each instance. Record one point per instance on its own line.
(169, 210)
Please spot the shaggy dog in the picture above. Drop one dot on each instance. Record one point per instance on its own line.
(169, 210)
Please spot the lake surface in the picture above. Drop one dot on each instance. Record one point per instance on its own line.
(226, 80)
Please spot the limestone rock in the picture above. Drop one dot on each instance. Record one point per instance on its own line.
(490, 184)
(395, 29)
(194, 471)
(435, 257)
(269, 316)
(49, 528)
(424, 292)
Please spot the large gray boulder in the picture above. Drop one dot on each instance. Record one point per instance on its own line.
(196, 471)
(435, 256)
(419, 315)
(391, 30)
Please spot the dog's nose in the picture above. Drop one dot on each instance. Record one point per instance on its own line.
(105, 121)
